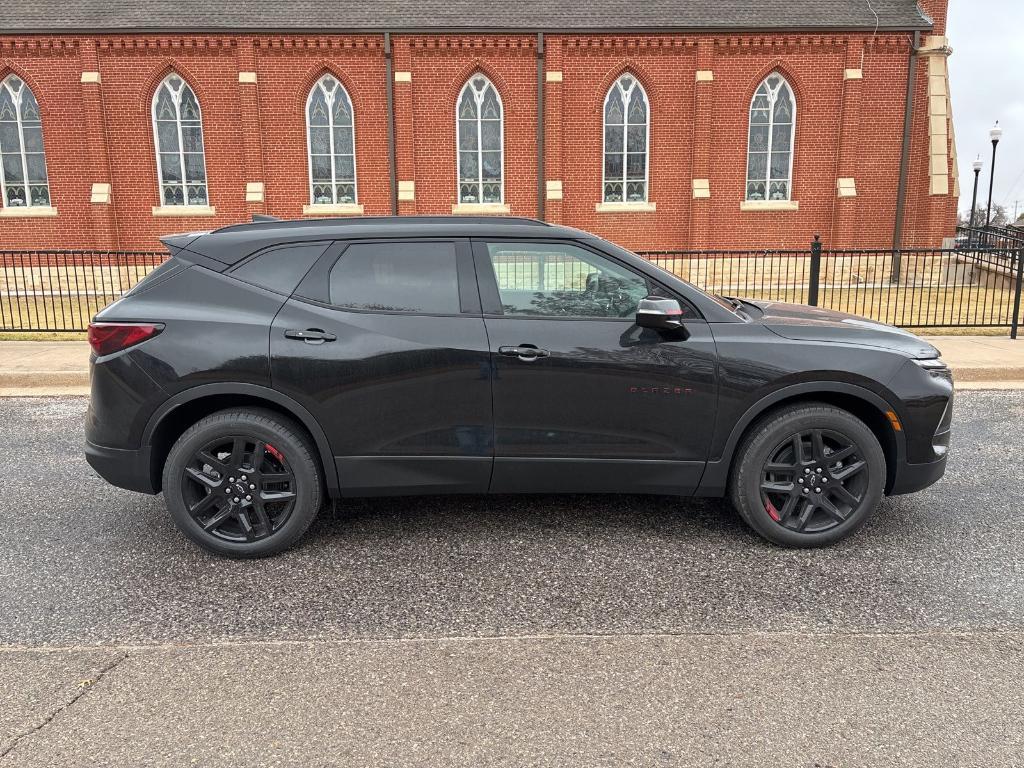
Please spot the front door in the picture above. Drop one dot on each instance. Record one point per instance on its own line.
(584, 399)
(386, 346)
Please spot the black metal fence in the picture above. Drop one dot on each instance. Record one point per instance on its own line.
(910, 288)
(992, 237)
(62, 290)
(977, 284)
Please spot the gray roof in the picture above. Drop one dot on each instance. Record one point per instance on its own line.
(48, 16)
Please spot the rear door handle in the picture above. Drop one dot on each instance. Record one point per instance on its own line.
(524, 352)
(310, 335)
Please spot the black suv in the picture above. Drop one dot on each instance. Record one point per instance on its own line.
(266, 367)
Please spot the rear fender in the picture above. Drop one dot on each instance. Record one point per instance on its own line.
(297, 412)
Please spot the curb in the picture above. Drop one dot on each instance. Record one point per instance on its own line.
(43, 379)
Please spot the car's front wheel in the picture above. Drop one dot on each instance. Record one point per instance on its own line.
(808, 475)
(243, 483)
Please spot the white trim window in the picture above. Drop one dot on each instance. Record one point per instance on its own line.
(770, 140)
(331, 141)
(178, 135)
(23, 180)
(479, 119)
(627, 131)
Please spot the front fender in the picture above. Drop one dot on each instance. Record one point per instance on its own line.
(716, 475)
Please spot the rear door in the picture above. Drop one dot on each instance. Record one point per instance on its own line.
(584, 399)
(385, 343)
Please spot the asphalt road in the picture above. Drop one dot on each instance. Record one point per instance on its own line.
(590, 631)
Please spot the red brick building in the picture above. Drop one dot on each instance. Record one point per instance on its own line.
(682, 125)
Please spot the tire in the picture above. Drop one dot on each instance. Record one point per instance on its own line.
(265, 466)
(784, 497)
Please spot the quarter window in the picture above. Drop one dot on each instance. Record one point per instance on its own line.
(330, 133)
(23, 180)
(397, 277)
(626, 135)
(770, 142)
(561, 280)
(280, 269)
(178, 130)
(480, 128)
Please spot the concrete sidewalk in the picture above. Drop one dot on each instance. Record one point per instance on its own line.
(752, 699)
(34, 368)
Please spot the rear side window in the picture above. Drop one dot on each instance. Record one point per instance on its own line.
(397, 277)
(280, 269)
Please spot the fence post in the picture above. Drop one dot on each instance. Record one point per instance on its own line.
(815, 276)
(1015, 320)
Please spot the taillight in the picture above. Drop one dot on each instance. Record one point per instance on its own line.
(107, 338)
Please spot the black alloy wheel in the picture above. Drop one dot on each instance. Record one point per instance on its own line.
(239, 488)
(808, 475)
(243, 483)
(813, 481)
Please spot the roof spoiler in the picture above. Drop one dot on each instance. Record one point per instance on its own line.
(180, 241)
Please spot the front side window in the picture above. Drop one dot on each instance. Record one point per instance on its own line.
(562, 280)
(330, 132)
(626, 133)
(479, 124)
(23, 171)
(397, 277)
(770, 143)
(178, 134)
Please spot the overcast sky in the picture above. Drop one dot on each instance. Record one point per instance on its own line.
(986, 74)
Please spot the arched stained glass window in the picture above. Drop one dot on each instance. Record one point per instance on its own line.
(770, 142)
(480, 128)
(626, 136)
(330, 124)
(178, 134)
(23, 181)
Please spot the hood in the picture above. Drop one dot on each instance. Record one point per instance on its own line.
(803, 323)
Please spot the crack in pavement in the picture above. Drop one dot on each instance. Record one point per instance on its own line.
(83, 689)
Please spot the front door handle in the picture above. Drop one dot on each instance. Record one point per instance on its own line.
(524, 352)
(310, 335)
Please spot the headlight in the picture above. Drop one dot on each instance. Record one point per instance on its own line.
(936, 368)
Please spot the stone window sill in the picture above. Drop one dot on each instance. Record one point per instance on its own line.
(184, 210)
(480, 208)
(625, 207)
(770, 205)
(324, 209)
(28, 212)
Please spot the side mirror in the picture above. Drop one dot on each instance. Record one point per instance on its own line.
(659, 313)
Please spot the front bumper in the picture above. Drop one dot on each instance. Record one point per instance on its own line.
(913, 477)
(129, 469)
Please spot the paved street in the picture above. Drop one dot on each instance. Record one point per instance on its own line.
(592, 631)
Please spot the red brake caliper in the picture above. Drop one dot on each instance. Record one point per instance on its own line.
(275, 453)
(772, 511)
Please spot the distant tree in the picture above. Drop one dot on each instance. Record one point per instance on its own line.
(1000, 218)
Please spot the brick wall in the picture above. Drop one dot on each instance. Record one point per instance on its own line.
(849, 88)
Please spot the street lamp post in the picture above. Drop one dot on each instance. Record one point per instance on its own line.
(977, 164)
(974, 198)
(995, 134)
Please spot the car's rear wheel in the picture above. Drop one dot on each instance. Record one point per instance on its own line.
(808, 475)
(243, 483)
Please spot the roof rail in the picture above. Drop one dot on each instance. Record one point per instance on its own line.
(261, 217)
